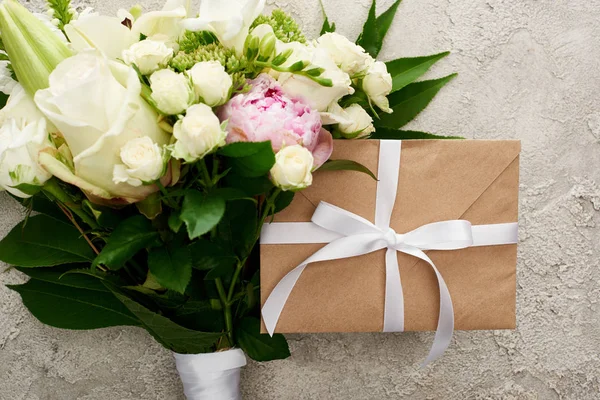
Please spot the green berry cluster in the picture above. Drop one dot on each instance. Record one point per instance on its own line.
(191, 41)
(212, 52)
(285, 27)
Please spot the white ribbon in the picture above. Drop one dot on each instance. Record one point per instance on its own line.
(211, 376)
(350, 235)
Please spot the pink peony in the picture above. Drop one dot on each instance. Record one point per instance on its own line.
(265, 113)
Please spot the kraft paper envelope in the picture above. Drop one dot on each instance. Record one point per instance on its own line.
(475, 180)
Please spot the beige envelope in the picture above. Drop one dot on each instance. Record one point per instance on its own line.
(476, 180)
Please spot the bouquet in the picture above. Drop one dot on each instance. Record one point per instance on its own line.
(150, 148)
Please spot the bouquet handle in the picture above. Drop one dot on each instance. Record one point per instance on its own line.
(211, 376)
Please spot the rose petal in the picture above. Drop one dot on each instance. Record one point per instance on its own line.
(324, 148)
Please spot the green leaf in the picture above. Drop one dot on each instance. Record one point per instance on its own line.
(230, 194)
(251, 186)
(69, 307)
(408, 102)
(384, 21)
(42, 205)
(201, 316)
(370, 38)
(169, 334)
(59, 275)
(207, 255)
(283, 201)
(327, 27)
(172, 267)
(224, 271)
(407, 70)
(260, 347)
(239, 228)
(43, 241)
(392, 134)
(346, 165)
(250, 159)
(3, 99)
(201, 212)
(131, 236)
(151, 206)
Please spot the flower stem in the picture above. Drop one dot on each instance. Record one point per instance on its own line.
(226, 309)
(206, 178)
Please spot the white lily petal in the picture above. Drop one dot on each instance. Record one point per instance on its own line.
(104, 33)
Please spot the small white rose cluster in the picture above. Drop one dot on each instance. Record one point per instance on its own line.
(371, 75)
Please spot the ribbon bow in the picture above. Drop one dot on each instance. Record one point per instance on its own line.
(350, 235)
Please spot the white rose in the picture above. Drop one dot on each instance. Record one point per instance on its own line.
(350, 57)
(211, 83)
(229, 20)
(97, 107)
(148, 55)
(171, 91)
(358, 122)
(143, 162)
(319, 97)
(293, 168)
(377, 84)
(23, 134)
(198, 134)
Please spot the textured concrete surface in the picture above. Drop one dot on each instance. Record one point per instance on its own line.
(528, 70)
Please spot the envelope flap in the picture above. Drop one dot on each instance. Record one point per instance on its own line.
(441, 179)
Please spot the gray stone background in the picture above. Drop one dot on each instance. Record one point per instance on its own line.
(529, 70)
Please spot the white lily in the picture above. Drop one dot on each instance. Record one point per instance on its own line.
(229, 20)
(111, 37)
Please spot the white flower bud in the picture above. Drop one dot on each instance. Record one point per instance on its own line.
(148, 55)
(211, 83)
(198, 134)
(358, 122)
(171, 91)
(267, 41)
(293, 168)
(143, 162)
(350, 57)
(378, 84)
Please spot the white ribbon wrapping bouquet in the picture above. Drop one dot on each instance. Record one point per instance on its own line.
(349, 235)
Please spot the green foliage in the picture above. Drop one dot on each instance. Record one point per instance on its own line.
(238, 230)
(68, 305)
(63, 11)
(376, 28)
(260, 347)
(131, 236)
(393, 134)
(346, 165)
(171, 335)
(43, 241)
(207, 255)
(3, 100)
(201, 212)
(249, 159)
(408, 102)
(171, 267)
(327, 26)
(407, 70)
(284, 26)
